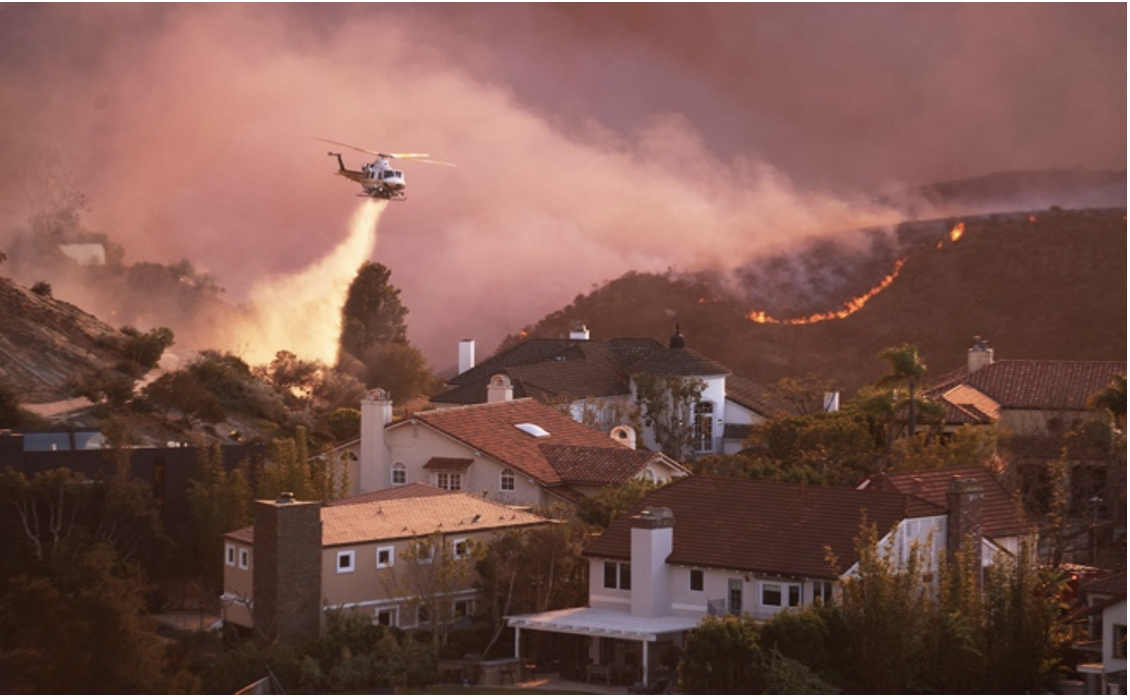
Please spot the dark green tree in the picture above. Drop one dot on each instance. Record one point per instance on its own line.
(219, 502)
(667, 406)
(722, 656)
(907, 370)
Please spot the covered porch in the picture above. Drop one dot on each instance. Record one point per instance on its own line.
(624, 650)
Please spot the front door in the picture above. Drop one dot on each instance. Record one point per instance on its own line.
(735, 598)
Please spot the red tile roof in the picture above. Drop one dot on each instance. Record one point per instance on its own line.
(491, 429)
(764, 527)
(597, 465)
(406, 491)
(1036, 384)
(1002, 515)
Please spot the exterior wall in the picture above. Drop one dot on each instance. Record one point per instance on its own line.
(1032, 422)
(1113, 615)
(413, 445)
(714, 393)
(238, 583)
(602, 409)
(370, 588)
(607, 598)
(738, 415)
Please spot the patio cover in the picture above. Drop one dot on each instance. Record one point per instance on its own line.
(597, 622)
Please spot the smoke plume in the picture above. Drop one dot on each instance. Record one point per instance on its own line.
(590, 140)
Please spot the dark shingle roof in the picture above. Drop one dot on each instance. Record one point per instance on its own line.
(1001, 514)
(680, 362)
(764, 527)
(748, 393)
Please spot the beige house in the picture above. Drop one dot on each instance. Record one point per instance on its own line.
(401, 556)
(513, 451)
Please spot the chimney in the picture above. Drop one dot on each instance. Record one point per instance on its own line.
(677, 341)
(625, 435)
(653, 539)
(579, 332)
(376, 413)
(964, 500)
(466, 355)
(287, 574)
(980, 355)
(500, 389)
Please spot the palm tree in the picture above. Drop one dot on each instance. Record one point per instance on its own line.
(907, 368)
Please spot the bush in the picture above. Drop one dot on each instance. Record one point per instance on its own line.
(42, 289)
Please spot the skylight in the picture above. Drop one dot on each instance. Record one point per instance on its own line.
(532, 429)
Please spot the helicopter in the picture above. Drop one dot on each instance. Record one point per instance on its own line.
(378, 179)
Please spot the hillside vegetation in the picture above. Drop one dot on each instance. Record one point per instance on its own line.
(1043, 285)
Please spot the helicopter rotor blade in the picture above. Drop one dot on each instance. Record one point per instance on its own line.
(419, 158)
(355, 148)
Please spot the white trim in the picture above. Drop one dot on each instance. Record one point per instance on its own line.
(351, 566)
(687, 607)
(244, 558)
(229, 555)
(609, 599)
(382, 601)
(455, 548)
(391, 557)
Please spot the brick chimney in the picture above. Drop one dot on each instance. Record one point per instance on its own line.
(980, 355)
(653, 538)
(964, 500)
(287, 583)
(376, 413)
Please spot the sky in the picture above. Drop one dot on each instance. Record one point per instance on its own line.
(590, 139)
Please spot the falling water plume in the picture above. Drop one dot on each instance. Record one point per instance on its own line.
(301, 312)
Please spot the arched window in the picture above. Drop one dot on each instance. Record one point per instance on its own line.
(506, 480)
(649, 475)
(399, 474)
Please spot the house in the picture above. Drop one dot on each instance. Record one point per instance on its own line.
(1029, 397)
(597, 377)
(379, 553)
(1005, 522)
(514, 451)
(1104, 643)
(711, 546)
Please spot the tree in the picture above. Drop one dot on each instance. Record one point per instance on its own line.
(802, 395)
(604, 506)
(907, 368)
(667, 404)
(374, 338)
(146, 349)
(372, 312)
(218, 503)
(722, 656)
(1111, 400)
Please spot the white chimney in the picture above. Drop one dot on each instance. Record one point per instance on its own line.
(500, 389)
(625, 435)
(653, 539)
(980, 355)
(579, 332)
(466, 355)
(831, 401)
(376, 413)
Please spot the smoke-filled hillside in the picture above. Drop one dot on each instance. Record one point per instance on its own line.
(1039, 285)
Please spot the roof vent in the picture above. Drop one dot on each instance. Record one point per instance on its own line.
(285, 497)
(532, 429)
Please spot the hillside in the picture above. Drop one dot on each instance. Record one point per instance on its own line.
(1046, 285)
(45, 342)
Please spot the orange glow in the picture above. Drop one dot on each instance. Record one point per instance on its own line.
(957, 232)
(1031, 219)
(850, 307)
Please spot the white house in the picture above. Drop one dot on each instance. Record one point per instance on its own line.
(711, 546)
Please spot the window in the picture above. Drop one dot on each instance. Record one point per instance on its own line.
(703, 437)
(450, 481)
(779, 595)
(386, 557)
(696, 580)
(424, 553)
(244, 558)
(618, 575)
(459, 548)
(399, 474)
(464, 608)
(822, 590)
(1118, 634)
(506, 481)
(423, 615)
(734, 599)
(229, 555)
(345, 562)
(386, 617)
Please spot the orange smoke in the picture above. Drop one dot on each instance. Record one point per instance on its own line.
(850, 307)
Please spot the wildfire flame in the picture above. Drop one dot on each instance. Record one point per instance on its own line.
(957, 232)
(850, 307)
